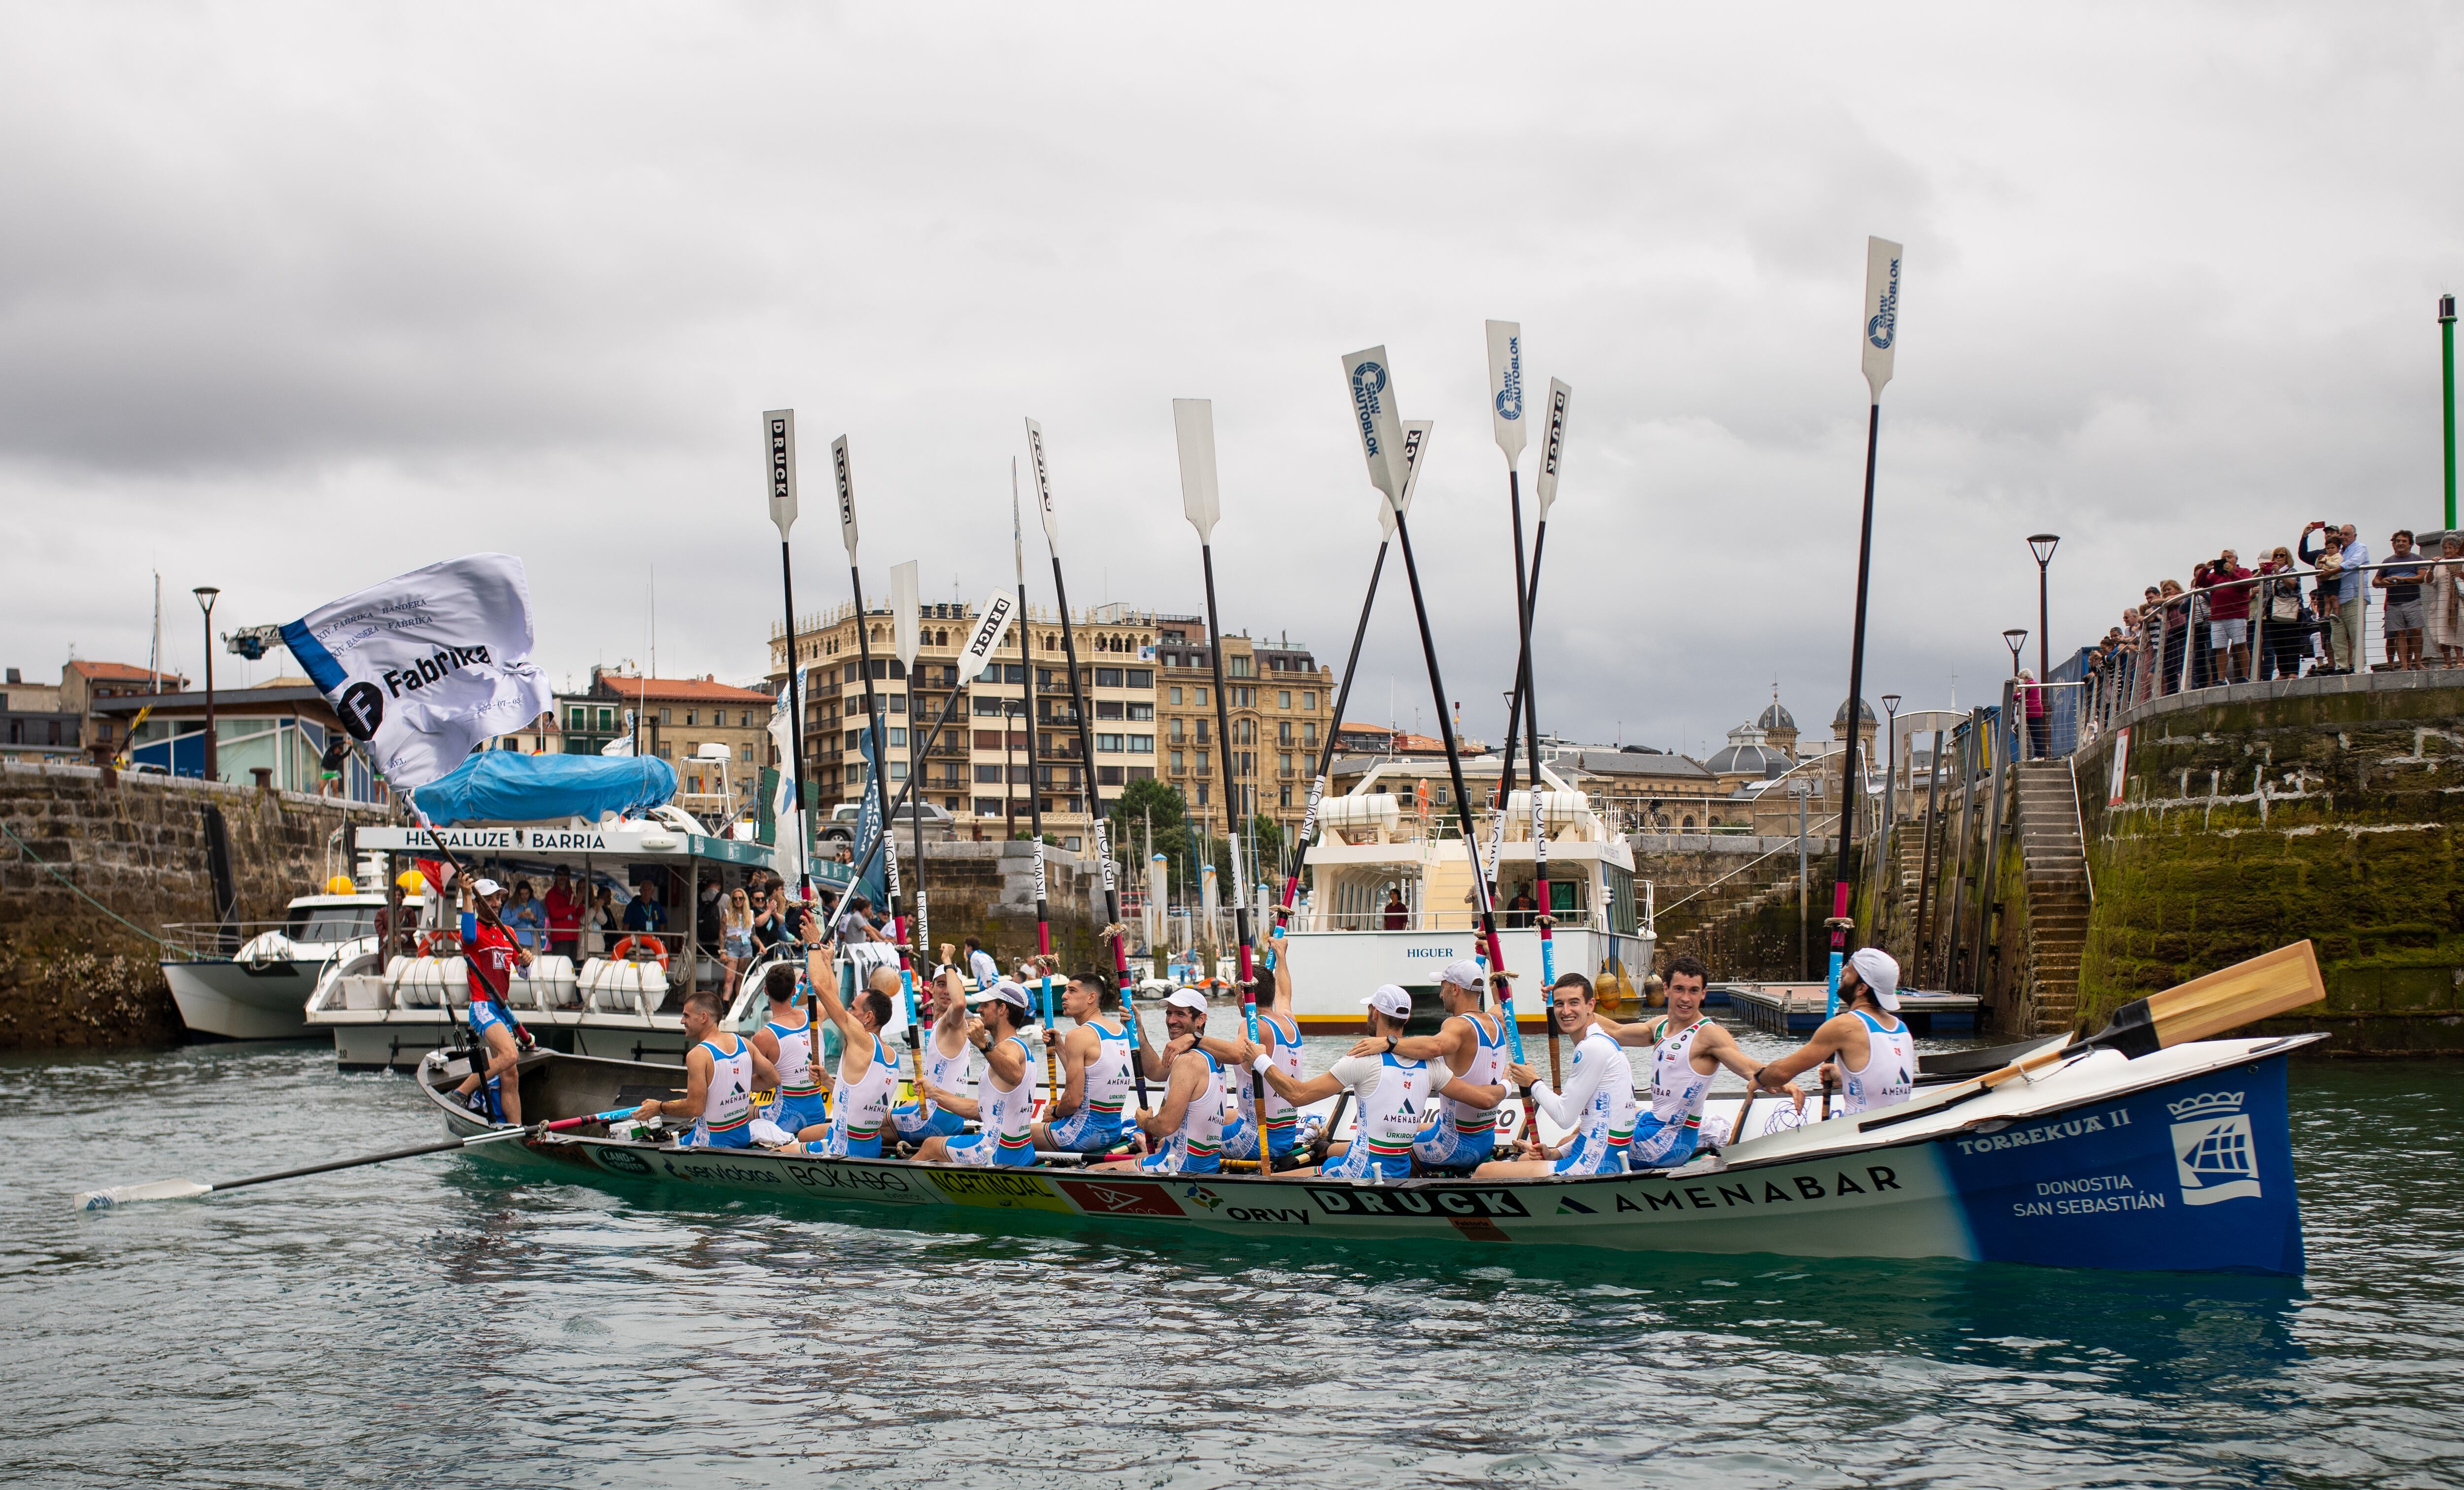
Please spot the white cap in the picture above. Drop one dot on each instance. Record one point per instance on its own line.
(1879, 972)
(1187, 999)
(487, 887)
(1005, 991)
(1462, 974)
(1390, 999)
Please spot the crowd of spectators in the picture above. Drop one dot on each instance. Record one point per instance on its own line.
(2304, 612)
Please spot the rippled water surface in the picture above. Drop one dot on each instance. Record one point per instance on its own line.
(438, 1321)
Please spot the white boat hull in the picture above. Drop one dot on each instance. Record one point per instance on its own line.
(233, 1000)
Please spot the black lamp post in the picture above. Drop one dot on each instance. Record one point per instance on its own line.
(206, 594)
(2042, 544)
(1890, 756)
(2012, 639)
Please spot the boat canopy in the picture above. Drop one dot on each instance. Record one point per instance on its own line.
(507, 787)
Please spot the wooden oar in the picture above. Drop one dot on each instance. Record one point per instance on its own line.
(190, 1188)
(2267, 985)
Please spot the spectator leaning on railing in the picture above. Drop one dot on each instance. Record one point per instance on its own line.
(2228, 600)
(2401, 624)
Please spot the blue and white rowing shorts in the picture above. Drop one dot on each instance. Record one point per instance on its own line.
(1241, 1140)
(1357, 1162)
(912, 1124)
(799, 1112)
(1592, 1154)
(485, 1016)
(987, 1150)
(1442, 1147)
(740, 1136)
(1087, 1131)
(1658, 1145)
(1175, 1158)
(839, 1144)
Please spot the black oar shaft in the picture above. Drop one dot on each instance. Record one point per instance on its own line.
(1035, 825)
(795, 720)
(1852, 776)
(221, 1185)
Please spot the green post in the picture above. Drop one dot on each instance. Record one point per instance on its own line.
(2447, 385)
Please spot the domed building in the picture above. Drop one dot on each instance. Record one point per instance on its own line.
(1778, 725)
(1867, 726)
(1749, 756)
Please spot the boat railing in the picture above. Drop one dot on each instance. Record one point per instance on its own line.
(205, 941)
(1463, 920)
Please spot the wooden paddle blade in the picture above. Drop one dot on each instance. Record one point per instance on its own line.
(2267, 985)
(130, 1194)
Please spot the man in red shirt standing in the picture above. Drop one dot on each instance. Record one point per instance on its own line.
(490, 956)
(563, 915)
(2226, 585)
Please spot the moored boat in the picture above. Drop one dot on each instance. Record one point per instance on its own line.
(260, 987)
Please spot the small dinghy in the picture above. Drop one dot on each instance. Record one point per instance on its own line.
(2148, 1146)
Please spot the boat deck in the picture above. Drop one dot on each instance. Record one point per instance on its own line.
(1797, 1008)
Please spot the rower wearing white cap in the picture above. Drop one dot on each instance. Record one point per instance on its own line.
(946, 1055)
(490, 956)
(1866, 1042)
(1472, 1044)
(1005, 1109)
(1395, 1094)
(1188, 1129)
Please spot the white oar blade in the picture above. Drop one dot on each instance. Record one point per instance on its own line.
(847, 494)
(1882, 312)
(1506, 387)
(1043, 487)
(779, 442)
(131, 1195)
(1371, 382)
(1553, 448)
(1193, 428)
(992, 619)
(906, 612)
(1416, 439)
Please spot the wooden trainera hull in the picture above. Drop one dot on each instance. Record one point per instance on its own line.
(2178, 1161)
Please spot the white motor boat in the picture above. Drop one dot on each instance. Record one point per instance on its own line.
(260, 988)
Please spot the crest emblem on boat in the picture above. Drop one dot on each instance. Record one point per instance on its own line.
(2212, 1150)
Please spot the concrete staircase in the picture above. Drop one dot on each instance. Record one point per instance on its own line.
(2056, 865)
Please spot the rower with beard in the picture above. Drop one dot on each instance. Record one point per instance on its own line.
(1186, 1131)
(1282, 1033)
(1471, 1042)
(946, 1055)
(1688, 1049)
(1095, 1079)
(1866, 1043)
(1004, 1109)
(723, 1070)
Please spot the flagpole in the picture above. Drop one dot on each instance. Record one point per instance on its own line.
(1881, 347)
(778, 431)
(1034, 799)
(1116, 934)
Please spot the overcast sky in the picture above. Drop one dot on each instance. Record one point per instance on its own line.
(296, 298)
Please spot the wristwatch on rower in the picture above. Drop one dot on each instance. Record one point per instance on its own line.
(1390, 1045)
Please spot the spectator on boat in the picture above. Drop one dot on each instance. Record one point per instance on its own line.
(1004, 1106)
(646, 914)
(2442, 604)
(735, 937)
(1398, 916)
(1520, 911)
(1470, 1041)
(982, 967)
(710, 914)
(945, 1066)
(1185, 1133)
(2222, 584)
(599, 922)
(722, 1071)
(489, 958)
(865, 1077)
(1686, 1051)
(1865, 1049)
(565, 906)
(2400, 623)
(770, 920)
(525, 917)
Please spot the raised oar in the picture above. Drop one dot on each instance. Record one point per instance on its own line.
(1552, 452)
(880, 782)
(1416, 436)
(905, 626)
(1506, 421)
(191, 1189)
(1034, 803)
(1193, 423)
(2267, 985)
(1115, 932)
(1880, 343)
(1381, 438)
(778, 437)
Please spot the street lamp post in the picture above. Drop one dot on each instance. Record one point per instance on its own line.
(1890, 758)
(206, 594)
(2042, 544)
(2013, 638)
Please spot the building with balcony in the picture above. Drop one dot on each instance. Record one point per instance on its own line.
(1280, 703)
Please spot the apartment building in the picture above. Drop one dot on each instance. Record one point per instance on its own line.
(713, 733)
(1280, 702)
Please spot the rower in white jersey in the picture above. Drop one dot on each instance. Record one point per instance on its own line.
(946, 1055)
(721, 1072)
(1688, 1049)
(1281, 1033)
(1471, 1044)
(1186, 1132)
(1096, 1079)
(1867, 1043)
(786, 1042)
(1395, 1094)
(1004, 1105)
(867, 1077)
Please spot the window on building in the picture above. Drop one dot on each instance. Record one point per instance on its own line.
(1176, 733)
(898, 740)
(992, 774)
(1178, 768)
(744, 753)
(1282, 698)
(1141, 710)
(898, 771)
(1107, 677)
(1286, 795)
(985, 704)
(1108, 776)
(664, 719)
(689, 716)
(1141, 677)
(1308, 734)
(1309, 701)
(1109, 744)
(1141, 773)
(1202, 794)
(1240, 666)
(607, 718)
(1283, 732)
(1283, 764)
(1176, 698)
(1201, 761)
(1108, 709)
(667, 752)
(1141, 745)
(988, 806)
(573, 718)
(898, 703)
(1201, 697)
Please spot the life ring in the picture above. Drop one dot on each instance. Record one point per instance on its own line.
(1420, 798)
(627, 947)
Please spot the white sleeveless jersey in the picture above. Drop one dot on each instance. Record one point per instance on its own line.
(1279, 1113)
(1677, 1088)
(1107, 1075)
(1488, 1068)
(1202, 1126)
(728, 1104)
(795, 1077)
(1008, 1117)
(861, 1107)
(947, 1072)
(1608, 1118)
(1889, 1073)
(1394, 1107)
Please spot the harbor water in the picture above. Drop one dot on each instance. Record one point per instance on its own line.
(440, 1321)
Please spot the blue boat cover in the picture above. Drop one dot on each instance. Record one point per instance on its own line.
(508, 786)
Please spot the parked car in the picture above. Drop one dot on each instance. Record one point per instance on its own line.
(840, 827)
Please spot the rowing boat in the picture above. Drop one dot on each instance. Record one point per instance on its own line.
(2177, 1160)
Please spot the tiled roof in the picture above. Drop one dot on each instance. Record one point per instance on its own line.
(117, 672)
(704, 690)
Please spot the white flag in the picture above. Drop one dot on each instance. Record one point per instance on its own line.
(423, 666)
